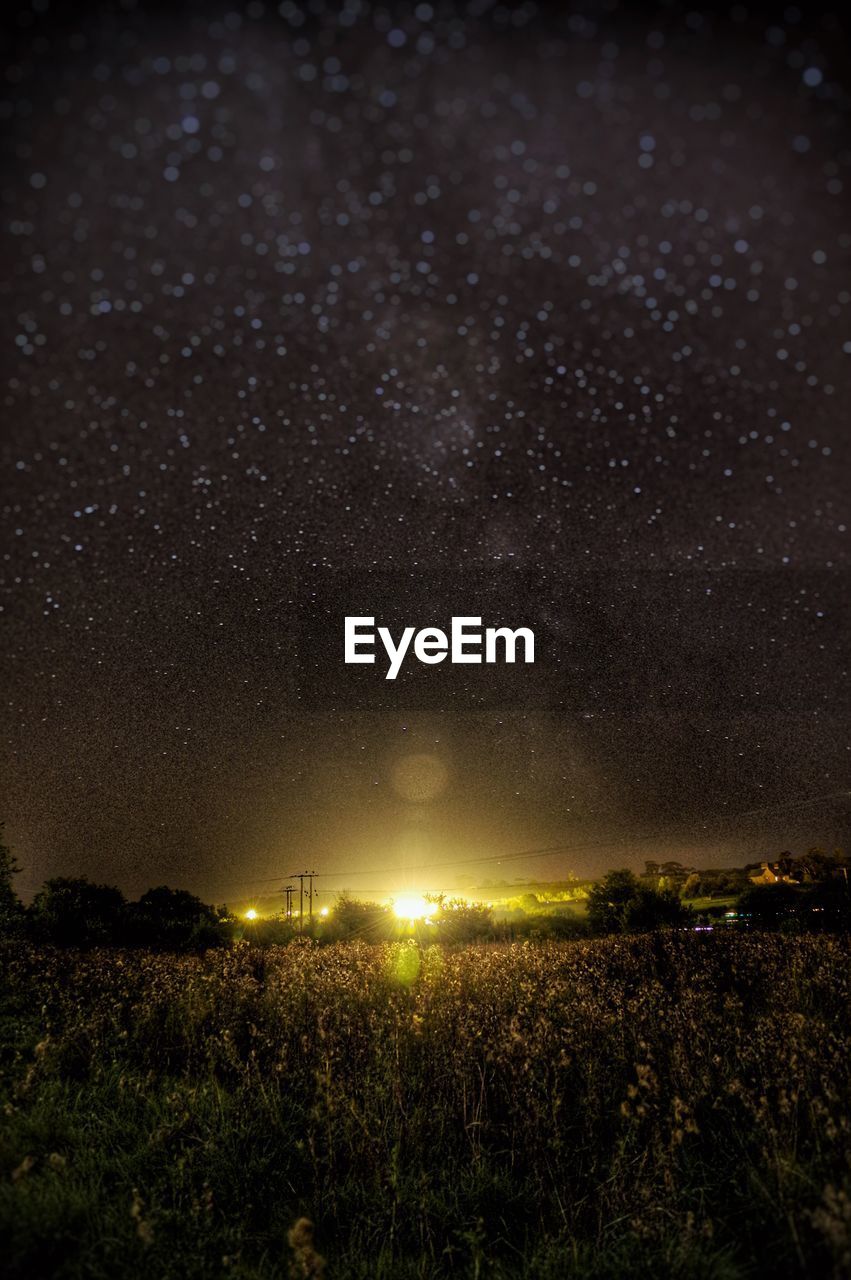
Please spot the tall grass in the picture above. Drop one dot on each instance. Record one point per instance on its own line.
(661, 1106)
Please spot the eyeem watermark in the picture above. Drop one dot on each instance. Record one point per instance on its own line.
(467, 642)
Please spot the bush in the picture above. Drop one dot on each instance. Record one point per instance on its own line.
(825, 905)
(174, 919)
(461, 921)
(74, 912)
(352, 919)
(541, 926)
(621, 903)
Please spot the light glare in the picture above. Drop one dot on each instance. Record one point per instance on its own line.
(411, 907)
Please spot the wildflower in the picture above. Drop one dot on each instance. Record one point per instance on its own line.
(23, 1168)
(305, 1261)
(832, 1219)
(144, 1230)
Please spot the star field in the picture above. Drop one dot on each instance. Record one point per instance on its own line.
(417, 311)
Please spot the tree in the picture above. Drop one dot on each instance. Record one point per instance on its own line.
(770, 905)
(609, 898)
(829, 902)
(621, 903)
(654, 909)
(351, 918)
(173, 918)
(75, 912)
(691, 888)
(462, 921)
(11, 910)
(823, 904)
(816, 865)
(673, 874)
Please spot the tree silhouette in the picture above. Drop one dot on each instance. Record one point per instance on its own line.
(11, 910)
(609, 898)
(621, 903)
(74, 912)
(166, 917)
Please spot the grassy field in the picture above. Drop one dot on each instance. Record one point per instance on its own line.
(712, 904)
(651, 1107)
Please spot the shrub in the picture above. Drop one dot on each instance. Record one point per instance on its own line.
(74, 912)
(621, 903)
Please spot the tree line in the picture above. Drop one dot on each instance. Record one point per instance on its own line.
(72, 911)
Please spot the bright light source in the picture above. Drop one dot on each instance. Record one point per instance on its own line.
(324, 912)
(251, 914)
(411, 907)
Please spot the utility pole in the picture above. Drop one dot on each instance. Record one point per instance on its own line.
(288, 890)
(301, 876)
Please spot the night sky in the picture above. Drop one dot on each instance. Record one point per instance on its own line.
(421, 311)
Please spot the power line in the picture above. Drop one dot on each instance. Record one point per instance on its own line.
(550, 850)
(301, 876)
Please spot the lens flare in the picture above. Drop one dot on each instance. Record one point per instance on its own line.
(251, 914)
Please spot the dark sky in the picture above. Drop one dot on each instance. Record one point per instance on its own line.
(311, 311)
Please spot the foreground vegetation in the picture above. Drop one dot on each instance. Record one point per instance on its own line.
(668, 1105)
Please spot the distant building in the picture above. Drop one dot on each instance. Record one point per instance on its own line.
(772, 873)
